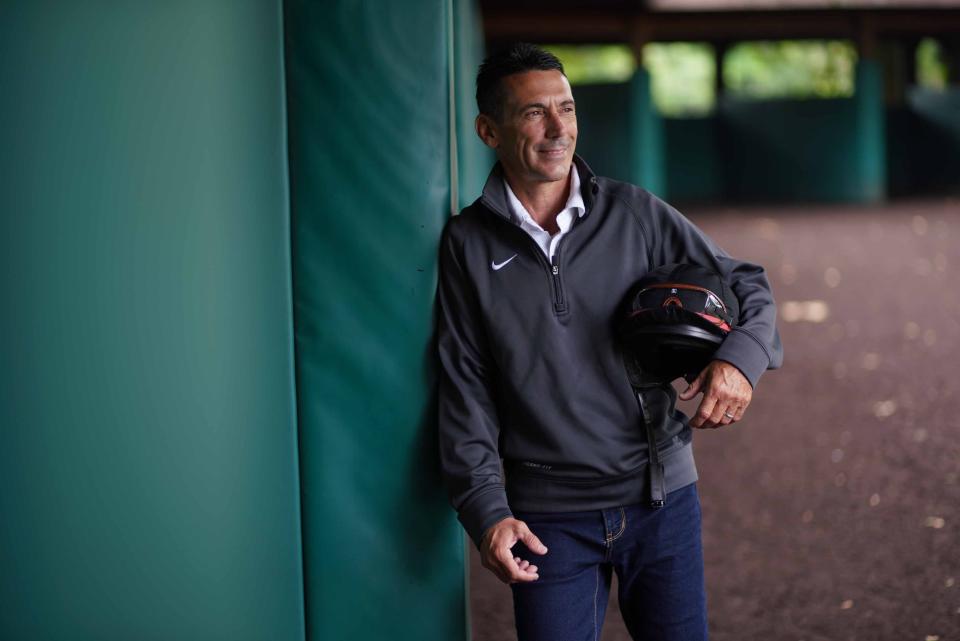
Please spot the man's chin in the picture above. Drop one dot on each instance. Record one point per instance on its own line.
(561, 174)
(556, 171)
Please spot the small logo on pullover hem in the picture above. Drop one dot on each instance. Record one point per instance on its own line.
(497, 266)
(537, 466)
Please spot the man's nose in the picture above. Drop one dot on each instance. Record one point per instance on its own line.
(555, 124)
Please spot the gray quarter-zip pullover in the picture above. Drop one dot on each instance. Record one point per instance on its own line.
(529, 369)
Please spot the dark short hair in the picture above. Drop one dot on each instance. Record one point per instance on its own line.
(516, 58)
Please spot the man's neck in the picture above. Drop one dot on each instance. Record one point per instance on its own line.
(543, 200)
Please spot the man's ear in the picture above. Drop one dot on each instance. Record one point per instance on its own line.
(487, 131)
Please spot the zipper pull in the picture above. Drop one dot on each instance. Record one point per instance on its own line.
(556, 270)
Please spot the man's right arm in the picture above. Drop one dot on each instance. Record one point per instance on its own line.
(468, 427)
(469, 431)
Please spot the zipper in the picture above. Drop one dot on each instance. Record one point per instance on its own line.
(559, 299)
(559, 302)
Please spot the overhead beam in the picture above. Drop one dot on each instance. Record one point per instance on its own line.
(616, 26)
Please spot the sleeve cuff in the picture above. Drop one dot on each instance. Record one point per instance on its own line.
(744, 352)
(483, 512)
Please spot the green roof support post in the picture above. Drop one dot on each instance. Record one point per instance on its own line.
(870, 109)
(647, 158)
(871, 133)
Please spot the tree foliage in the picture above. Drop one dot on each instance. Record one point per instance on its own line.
(683, 74)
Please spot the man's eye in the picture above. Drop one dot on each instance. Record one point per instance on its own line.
(534, 113)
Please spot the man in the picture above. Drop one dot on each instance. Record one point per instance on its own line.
(531, 275)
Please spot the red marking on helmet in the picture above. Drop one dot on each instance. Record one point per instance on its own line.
(719, 322)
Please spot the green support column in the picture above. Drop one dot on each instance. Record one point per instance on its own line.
(870, 137)
(474, 159)
(645, 126)
(148, 462)
(369, 105)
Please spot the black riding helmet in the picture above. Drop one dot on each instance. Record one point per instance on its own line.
(672, 321)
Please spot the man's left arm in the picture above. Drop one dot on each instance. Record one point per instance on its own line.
(752, 347)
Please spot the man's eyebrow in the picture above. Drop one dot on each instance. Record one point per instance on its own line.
(540, 105)
(531, 105)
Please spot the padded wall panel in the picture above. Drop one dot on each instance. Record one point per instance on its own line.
(368, 100)
(693, 159)
(603, 116)
(148, 469)
(940, 157)
(474, 159)
(923, 153)
(621, 133)
(790, 150)
(807, 150)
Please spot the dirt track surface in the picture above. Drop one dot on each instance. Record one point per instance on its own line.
(832, 511)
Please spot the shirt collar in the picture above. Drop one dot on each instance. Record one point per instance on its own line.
(574, 200)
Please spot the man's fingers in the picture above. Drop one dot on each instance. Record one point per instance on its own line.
(704, 412)
(511, 571)
(496, 555)
(531, 541)
(722, 414)
(693, 389)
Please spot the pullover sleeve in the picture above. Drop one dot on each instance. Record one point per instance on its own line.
(754, 344)
(467, 417)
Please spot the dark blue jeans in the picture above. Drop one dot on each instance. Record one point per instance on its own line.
(656, 553)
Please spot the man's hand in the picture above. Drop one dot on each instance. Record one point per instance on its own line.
(726, 394)
(495, 551)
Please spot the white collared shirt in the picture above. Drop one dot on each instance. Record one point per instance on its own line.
(543, 238)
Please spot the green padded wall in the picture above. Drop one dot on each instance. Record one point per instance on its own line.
(369, 103)
(148, 468)
(603, 116)
(923, 136)
(750, 149)
(620, 132)
(693, 160)
(474, 159)
(806, 150)
(938, 159)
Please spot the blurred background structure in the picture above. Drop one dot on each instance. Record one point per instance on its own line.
(218, 225)
(758, 101)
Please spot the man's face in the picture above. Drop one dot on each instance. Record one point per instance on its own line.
(537, 135)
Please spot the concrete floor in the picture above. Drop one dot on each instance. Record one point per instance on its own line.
(832, 511)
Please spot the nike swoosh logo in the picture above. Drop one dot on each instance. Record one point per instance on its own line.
(501, 265)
